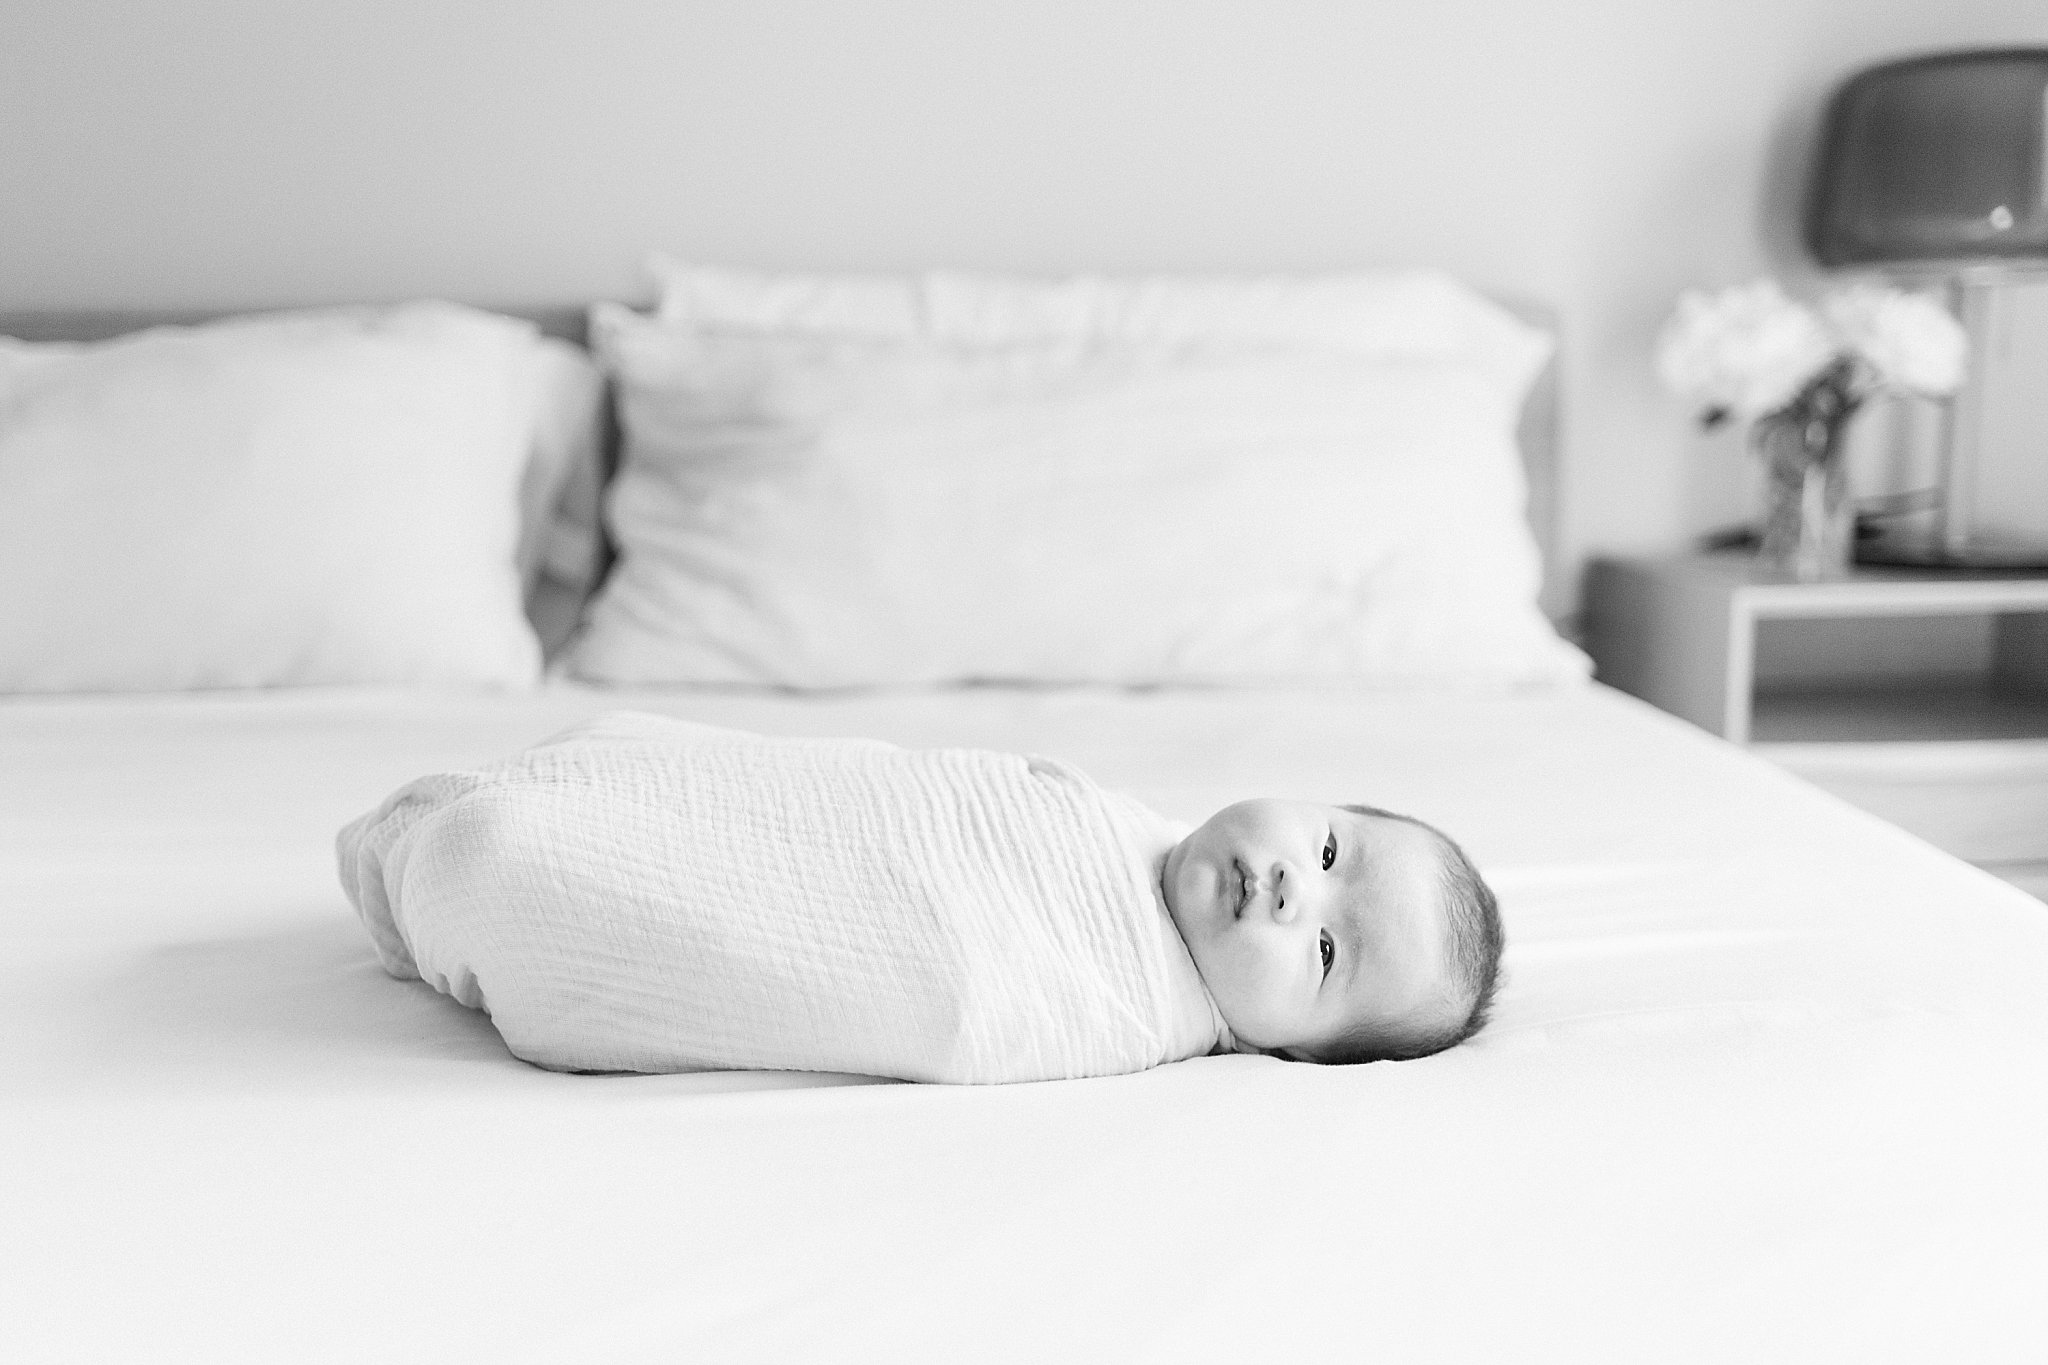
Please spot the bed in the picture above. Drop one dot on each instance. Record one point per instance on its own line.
(1766, 1080)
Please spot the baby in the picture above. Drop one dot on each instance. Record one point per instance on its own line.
(1335, 933)
(646, 894)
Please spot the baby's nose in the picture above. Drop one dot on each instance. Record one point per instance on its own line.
(1276, 884)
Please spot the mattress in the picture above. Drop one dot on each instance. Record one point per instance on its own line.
(1768, 1079)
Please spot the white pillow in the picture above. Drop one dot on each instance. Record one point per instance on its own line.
(319, 497)
(561, 547)
(558, 520)
(1386, 315)
(863, 493)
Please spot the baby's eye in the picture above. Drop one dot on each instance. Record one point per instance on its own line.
(1329, 955)
(1330, 851)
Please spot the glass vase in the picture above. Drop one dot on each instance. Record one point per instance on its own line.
(1809, 531)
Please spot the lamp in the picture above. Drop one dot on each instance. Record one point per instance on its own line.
(1938, 165)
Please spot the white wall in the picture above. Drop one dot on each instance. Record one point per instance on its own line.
(1599, 154)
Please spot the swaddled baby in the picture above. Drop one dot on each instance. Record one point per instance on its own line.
(646, 894)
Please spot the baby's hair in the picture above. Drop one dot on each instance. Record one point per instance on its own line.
(1473, 928)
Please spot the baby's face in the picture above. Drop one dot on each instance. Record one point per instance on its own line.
(1308, 922)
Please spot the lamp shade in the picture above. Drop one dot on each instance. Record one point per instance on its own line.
(1935, 158)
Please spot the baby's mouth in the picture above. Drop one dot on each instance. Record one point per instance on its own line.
(1244, 889)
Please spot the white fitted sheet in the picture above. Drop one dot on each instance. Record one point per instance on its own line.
(1768, 1079)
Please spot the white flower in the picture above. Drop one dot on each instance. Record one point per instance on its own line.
(1746, 350)
(1911, 341)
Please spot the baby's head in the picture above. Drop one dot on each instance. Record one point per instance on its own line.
(1335, 933)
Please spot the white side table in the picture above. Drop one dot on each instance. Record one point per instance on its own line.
(1920, 696)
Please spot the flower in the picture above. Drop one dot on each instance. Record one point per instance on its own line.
(1745, 350)
(1909, 340)
(1751, 351)
(1800, 376)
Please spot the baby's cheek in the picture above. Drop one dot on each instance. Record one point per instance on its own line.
(1244, 993)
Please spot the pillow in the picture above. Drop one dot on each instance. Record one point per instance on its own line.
(559, 537)
(828, 486)
(561, 545)
(1385, 315)
(318, 497)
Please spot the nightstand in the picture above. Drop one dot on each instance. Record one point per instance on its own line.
(1920, 696)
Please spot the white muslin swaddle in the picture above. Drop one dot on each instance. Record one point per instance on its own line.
(646, 894)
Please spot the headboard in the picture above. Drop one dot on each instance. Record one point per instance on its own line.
(1537, 434)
